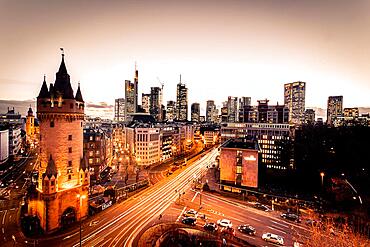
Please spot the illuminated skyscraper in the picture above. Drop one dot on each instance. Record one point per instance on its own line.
(145, 101)
(294, 99)
(119, 110)
(155, 107)
(131, 93)
(309, 116)
(232, 109)
(335, 109)
(195, 112)
(211, 113)
(182, 102)
(171, 110)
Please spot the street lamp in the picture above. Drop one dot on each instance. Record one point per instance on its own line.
(322, 174)
(80, 197)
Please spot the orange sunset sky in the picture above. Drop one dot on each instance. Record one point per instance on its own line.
(221, 48)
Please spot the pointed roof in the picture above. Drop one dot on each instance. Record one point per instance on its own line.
(84, 163)
(30, 112)
(51, 169)
(78, 94)
(62, 83)
(44, 92)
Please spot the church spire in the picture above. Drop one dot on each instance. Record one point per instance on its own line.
(44, 92)
(78, 94)
(62, 83)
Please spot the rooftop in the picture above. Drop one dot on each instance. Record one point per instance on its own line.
(241, 143)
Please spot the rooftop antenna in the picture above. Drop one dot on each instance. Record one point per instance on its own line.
(62, 50)
(180, 78)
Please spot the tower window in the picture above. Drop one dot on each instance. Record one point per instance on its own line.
(52, 124)
(70, 163)
(69, 137)
(52, 183)
(69, 150)
(69, 177)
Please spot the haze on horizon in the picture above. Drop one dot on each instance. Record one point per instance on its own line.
(221, 48)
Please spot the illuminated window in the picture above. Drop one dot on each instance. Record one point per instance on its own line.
(238, 169)
(90, 161)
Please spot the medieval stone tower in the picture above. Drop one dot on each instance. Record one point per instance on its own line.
(63, 180)
(30, 125)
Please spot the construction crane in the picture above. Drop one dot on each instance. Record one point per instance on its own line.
(160, 82)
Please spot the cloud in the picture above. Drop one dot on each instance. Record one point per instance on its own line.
(99, 105)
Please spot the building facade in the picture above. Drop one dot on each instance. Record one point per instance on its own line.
(119, 110)
(145, 102)
(239, 165)
(309, 116)
(4, 144)
(63, 180)
(155, 107)
(30, 126)
(171, 111)
(232, 109)
(210, 111)
(181, 102)
(294, 99)
(334, 109)
(195, 112)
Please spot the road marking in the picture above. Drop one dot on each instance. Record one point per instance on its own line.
(272, 228)
(183, 210)
(69, 236)
(280, 224)
(254, 218)
(195, 195)
(2, 229)
(105, 242)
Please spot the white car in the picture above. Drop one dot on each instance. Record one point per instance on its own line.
(273, 238)
(224, 223)
(191, 213)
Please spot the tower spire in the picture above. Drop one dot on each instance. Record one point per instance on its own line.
(180, 78)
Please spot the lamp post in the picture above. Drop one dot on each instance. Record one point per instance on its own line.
(80, 197)
(322, 174)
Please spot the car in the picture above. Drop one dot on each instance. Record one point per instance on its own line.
(224, 223)
(262, 207)
(228, 231)
(189, 221)
(247, 229)
(210, 226)
(291, 217)
(191, 213)
(273, 238)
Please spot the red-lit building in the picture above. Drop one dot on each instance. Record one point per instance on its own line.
(239, 164)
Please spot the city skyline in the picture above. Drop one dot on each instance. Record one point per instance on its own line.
(246, 49)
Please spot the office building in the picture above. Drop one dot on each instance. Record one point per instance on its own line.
(145, 102)
(335, 109)
(4, 144)
(294, 99)
(210, 111)
(171, 111)
(130, 104)
(232, 109)
(195, 112)
(351, 112)
(155, 107)
(309, 116)
(119, 110)
(239, 165)
(182, 102)
(244, 105)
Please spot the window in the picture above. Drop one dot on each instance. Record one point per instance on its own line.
(238, 169)
(52, 183)
(69, 150)
(69, 177)
(52, 124)
(90, 161)
(69, 137)
(91, 153)
(91, 138)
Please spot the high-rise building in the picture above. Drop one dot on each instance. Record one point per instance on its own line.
(119, 110)
(63, 181)
(335, 109)
(244, 104)
(182, 102)
(130, 106)
(211, 112)
(145, 101)
(351, 112)
(309, 116)
(294, 99)
(136, 89)
(195, 112)
(232, 109)
(171, 110)
(155, 107)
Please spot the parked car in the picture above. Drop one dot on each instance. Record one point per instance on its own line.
(273, 238)
(228, 231)
(189, 221)
(291, 217)
(191, 213)
(210, 226)
(224, 223)
(247, 229)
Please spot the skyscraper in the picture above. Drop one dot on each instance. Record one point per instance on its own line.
(130, 106)
(195, 112)
(155, 107)
(119, 110)
(145, 101)
(309, 116)
(136, 85)
(171, 110)
(63, 181)
(210, 111)
(182, 102)
(294, 99)
(232, 109)
(244, 105)
(335, 109)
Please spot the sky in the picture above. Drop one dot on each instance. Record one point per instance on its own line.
(221, 48)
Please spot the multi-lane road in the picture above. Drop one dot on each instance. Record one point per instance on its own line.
(121, 225)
